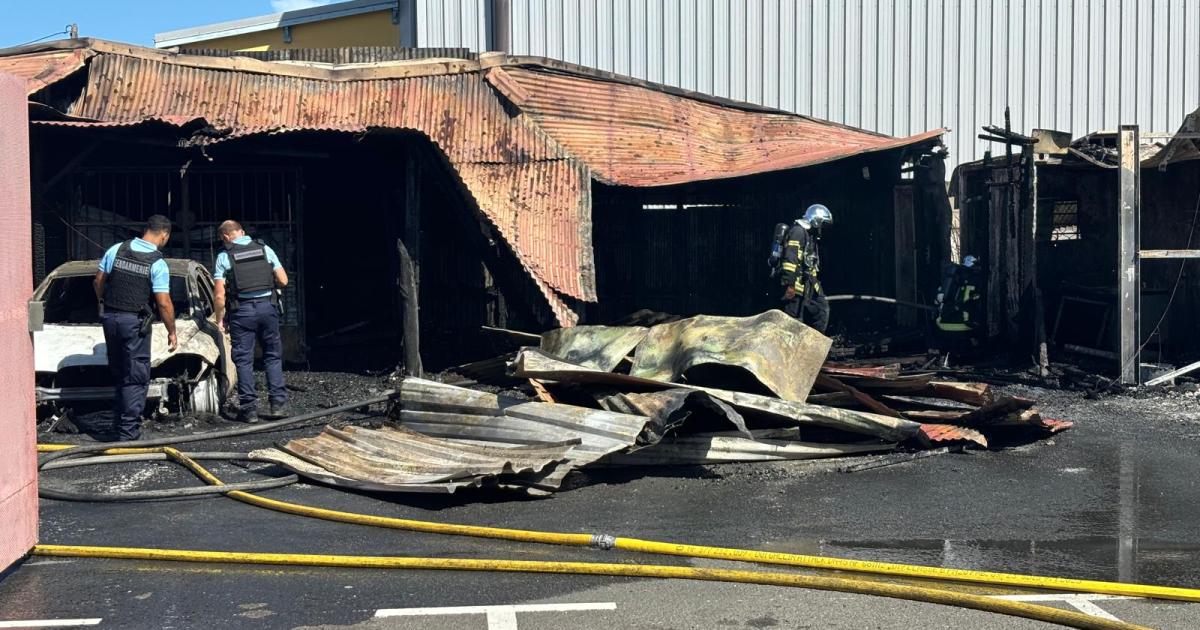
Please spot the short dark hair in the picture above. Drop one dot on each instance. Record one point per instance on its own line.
(229, 227)
(158, 224)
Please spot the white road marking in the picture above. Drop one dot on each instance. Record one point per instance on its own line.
(50, 623)
(1058, 597)
(498, 617)
(1088, 608)
(1083, 602)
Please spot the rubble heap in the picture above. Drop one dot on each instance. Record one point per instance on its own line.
(702, 390)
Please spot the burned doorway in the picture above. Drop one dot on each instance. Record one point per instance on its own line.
(365, 193)
(702, 248)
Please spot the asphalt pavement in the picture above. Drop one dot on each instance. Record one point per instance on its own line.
(1115, 498)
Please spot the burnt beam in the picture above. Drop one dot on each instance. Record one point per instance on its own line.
(409, 304)
(1128, 266)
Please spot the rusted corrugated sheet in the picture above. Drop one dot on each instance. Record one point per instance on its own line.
(636, 136)
(399, 459)
(530, 174)
(450, 412)
(42, 69)
(458, 112)
(951, 433)
(451, 437)
(169, 121)
(547, 211)
(537, 197)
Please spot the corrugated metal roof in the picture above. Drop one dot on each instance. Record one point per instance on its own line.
(529, 173)
(636, 136)
(536, 196)
(42, 69)
(169, 121)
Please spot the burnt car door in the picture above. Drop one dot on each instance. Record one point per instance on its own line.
(205, 300)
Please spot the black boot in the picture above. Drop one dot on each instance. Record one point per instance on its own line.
(280, 410)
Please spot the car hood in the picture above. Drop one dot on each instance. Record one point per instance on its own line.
(59, 346)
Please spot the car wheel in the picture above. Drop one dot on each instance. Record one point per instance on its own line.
(206, 395)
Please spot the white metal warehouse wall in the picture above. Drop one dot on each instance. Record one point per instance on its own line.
(894, 66)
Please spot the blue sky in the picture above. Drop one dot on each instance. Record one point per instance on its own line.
(132, 21)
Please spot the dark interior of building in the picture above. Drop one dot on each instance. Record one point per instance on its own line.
(702, 248)
(332, 205)
(1077, 247)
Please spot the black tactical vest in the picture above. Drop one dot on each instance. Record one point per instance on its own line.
(249, 269)
(127, 287)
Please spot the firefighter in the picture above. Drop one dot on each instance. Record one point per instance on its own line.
(248, 277)
(958, 302)
(131, 284)
(803, 296)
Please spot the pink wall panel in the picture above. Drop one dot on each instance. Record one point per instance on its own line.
(18, 476)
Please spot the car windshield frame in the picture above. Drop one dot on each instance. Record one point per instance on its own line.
(184, 295)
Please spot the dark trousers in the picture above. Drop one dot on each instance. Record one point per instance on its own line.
(814, 311)
(257, 320)
(129, 360)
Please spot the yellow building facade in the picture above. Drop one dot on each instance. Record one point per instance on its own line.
(357, 23)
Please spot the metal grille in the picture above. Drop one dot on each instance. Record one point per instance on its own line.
(1066, 221)
(350, 54)
(110, 205)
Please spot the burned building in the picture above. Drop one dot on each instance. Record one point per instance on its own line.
(531, 193)
(1063, 197)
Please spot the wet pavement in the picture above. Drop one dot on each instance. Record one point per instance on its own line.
(1116, 498)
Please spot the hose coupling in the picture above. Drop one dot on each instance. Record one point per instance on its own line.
(603, 541)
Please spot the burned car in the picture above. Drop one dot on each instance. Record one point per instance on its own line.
(71, 360)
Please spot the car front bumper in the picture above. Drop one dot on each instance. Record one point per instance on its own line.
(157, 390)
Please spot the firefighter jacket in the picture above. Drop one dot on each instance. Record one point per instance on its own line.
(801, 262)
(960, 300)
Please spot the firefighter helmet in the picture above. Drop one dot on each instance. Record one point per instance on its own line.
(817, 215)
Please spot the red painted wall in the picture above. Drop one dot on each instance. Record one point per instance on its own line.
(18, 475)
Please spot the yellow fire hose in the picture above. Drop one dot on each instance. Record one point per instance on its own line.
(843, 585)
(644, 546)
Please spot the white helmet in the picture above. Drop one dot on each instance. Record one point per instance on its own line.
(969, 261)
(817, 215)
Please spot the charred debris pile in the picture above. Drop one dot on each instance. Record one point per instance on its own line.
(702, 390)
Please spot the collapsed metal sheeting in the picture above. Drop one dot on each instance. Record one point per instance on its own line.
(396, 458)
(317, 473)
(673, 407)
(532, 363)
(473, 417)
(600, 347)
(722, 448)
(451, 437)
(951, 433)
(781, 353)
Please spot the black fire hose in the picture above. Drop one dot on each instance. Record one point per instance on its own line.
(885, 300)
(47, 490)
(58, 459)
(213, 435)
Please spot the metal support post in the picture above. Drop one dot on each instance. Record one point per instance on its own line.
(1128, 262)
(497, 14)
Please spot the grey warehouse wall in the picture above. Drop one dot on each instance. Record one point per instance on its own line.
(893, 66)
